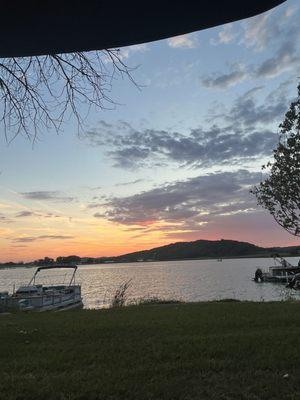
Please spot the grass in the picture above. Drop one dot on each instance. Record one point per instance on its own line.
(218, 350)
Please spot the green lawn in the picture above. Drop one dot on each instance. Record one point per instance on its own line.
(221, 350)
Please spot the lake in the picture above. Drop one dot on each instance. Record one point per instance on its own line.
(192, 280)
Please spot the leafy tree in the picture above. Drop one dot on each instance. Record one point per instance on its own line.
(279, 193)
(68, 260)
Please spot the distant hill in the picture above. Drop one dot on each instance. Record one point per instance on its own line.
(291, 250)
(197, 249)
(176, 251)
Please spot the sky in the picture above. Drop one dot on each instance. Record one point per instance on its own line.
(173, 160)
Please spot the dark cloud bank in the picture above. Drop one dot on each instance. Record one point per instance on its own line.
(244, 132)
(197, 199)
(216, 205)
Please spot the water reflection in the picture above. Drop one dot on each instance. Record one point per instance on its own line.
(196, 280)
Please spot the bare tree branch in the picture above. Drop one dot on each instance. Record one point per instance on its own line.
(41, 92)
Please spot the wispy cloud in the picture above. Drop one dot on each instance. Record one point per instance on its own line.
(126, 52)
(99, 215)
(290, 10)
(136, 181)
(188, 41)
(28, 239)
(286, 58)
(258, 31)
(225, 80)
(27, 213)
(5, 219)
(94, 205)
(226, 35)
(277, 30)
(56, 196)
(95, 188)
(266, 30)
(248, 112)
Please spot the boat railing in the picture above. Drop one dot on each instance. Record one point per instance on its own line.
(282, 262)
(39, 300)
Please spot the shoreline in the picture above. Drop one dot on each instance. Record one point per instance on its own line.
(3, 266)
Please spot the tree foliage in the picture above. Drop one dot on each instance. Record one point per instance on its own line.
(279, 193)
(42, 91)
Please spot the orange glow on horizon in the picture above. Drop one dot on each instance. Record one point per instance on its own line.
(90, 237)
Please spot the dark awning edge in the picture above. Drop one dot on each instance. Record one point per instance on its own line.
(50, 27)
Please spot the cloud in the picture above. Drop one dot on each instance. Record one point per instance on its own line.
(286, 58)
(94, 205)
(129, 156)
(258, 31)
(241, 133)
(4, 205)
(27, 213)
(187, 204)
(225, 80)
(28, 239)
(95, 187)
(263, 31)
(25, 239)
(188, 41)
(47, 195)
(276, 31)
(128, 51)
(225, 36)
(290, 10)
(246, 110)
(99, 215)
(5, 219)
(135, 229)
(216, 145)
(130, 182)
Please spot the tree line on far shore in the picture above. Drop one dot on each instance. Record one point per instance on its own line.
(198, 249)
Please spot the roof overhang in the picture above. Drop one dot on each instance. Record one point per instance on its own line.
(38, 27)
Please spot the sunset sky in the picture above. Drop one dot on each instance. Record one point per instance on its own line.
(173, 161)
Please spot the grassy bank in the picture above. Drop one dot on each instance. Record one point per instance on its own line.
(221, 350)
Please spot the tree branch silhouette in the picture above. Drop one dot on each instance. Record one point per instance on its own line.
(42, 91)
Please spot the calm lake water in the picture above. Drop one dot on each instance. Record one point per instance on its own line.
(197, 280)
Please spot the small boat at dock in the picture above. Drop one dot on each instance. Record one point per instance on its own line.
(281, 272)
(37, 297)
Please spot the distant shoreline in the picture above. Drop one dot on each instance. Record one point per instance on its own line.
(179, 251)
(6, 266)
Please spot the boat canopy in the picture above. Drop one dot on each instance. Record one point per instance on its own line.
(52, 267)
(56, 266)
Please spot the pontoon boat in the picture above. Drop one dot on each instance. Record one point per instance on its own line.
(38, 297)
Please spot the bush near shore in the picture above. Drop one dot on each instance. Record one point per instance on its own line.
(217, 350)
